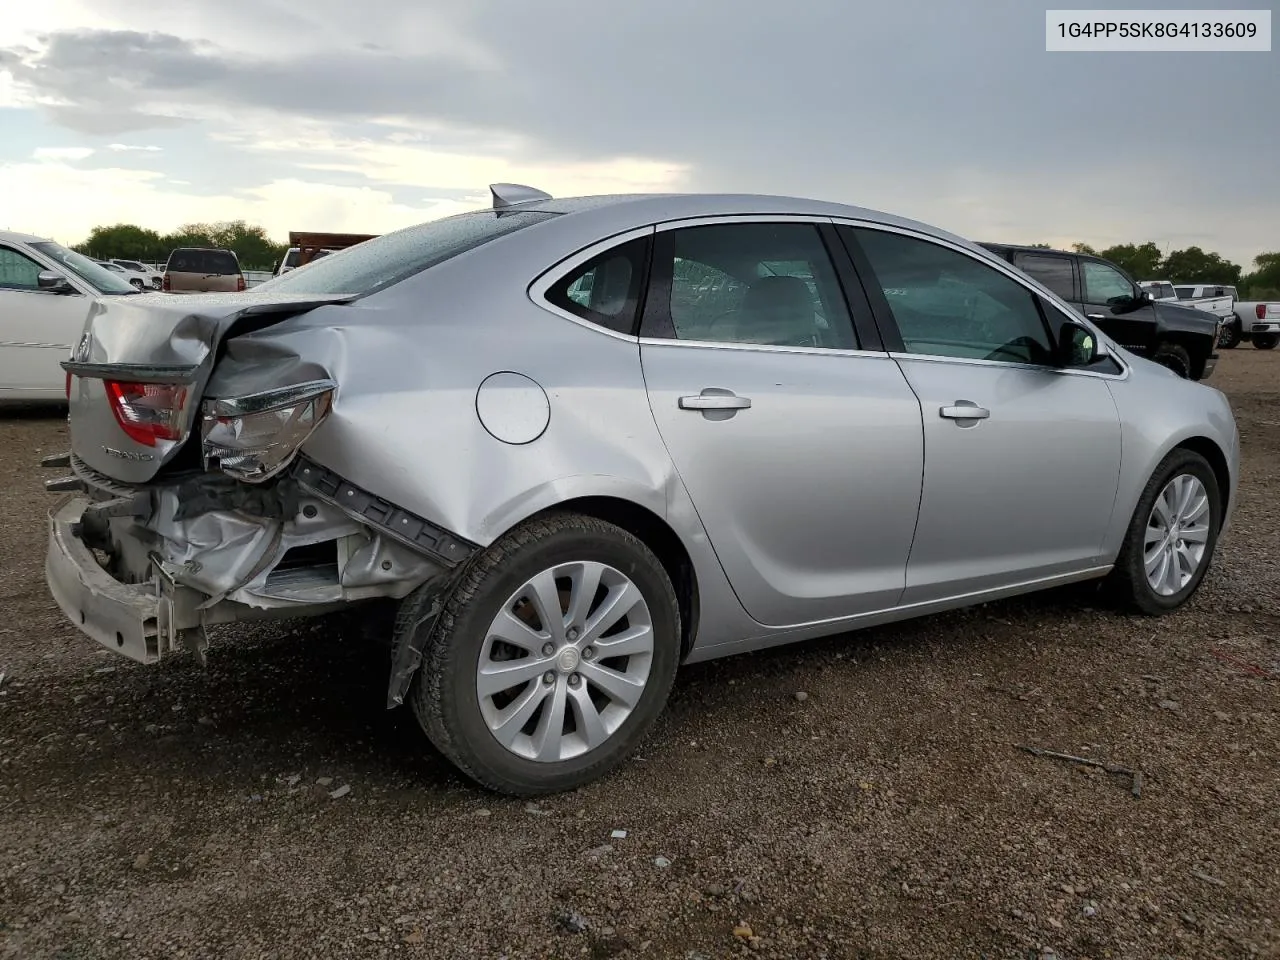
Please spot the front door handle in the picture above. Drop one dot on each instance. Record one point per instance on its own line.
(715, 401)
(965, 410)
(1096, 316)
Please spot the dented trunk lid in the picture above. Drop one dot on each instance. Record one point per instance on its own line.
(166, 341)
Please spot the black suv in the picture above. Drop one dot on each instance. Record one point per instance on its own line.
(1180, 338)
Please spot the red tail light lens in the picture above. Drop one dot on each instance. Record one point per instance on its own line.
(239, 283)
(164, 283)
(68, 386)
(1260, 309)
(148, 412)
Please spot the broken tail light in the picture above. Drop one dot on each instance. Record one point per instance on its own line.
(256, 436)
(148, 412)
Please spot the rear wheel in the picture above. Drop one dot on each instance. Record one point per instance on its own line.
(1265, 341)
(553, 657)
(1171, 537)
(1230, 337)
(1175, 357)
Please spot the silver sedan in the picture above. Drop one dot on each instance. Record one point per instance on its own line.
(574, 444)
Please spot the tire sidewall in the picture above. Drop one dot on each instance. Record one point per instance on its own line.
(1176, 464)
(1174, 358)
(1265, 341)
(459, 707)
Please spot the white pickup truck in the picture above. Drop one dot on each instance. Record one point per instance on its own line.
(1216, 299)
(1256, 320)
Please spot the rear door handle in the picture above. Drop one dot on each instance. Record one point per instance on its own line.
(965, 410)
(715, 401)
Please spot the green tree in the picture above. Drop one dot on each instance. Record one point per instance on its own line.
(254, 249)
(124, 240)
(1193, 265)
(1140, 262)
(1264, 282)
(1084, 248)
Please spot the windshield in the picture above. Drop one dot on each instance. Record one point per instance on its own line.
(388, 259)
(101, 279)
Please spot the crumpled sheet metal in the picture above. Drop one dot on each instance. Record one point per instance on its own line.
(232, 554)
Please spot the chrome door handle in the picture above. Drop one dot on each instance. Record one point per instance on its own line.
(965, 410)
(715, 401)
(1096, 316)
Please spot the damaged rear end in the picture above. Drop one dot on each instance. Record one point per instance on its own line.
(191, 501)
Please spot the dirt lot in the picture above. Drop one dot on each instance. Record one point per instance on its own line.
(176, 812)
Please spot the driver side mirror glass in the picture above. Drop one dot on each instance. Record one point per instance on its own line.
(53, 282)
(1077, 345)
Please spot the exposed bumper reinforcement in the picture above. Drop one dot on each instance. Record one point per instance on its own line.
(123, 617)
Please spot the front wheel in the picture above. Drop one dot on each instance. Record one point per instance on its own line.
(1265, 341)
(1175, 357)
(552, 658)
(1171, 536)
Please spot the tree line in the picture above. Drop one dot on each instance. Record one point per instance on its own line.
(127, 241)
(1146, 262)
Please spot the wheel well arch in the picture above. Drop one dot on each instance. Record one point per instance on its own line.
(656, 534)
(1217, 460)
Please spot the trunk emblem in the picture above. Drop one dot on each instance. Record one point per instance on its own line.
(127, 455)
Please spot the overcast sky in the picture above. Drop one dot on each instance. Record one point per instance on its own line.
(367, 116)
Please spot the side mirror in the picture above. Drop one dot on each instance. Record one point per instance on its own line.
(1146, 296)
(52, 282)
(1077, 345)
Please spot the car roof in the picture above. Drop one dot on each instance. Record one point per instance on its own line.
(14, 237)
(1028, 248)
(626, 210)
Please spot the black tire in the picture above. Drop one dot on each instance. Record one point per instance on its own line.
(1175, 357)
(1127, 582)
(1265, 341)
(444, 696)
(1231, 335)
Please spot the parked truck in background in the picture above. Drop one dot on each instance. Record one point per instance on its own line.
(1179, 337)
(1256, 320)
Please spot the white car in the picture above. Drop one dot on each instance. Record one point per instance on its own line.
(151, 276)
(47, 294)
(138, 280)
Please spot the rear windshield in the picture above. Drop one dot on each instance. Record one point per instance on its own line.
(208, 262)
(385, 260)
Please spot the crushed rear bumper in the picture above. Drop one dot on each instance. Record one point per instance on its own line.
(123, 617)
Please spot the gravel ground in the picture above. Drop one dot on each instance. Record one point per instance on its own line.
(862, 796)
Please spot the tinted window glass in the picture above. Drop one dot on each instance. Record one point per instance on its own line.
(219, 263)
(385, 260)
(758, 283)
(1103, 283)
(1185, 293)
(17, 272)
(1054, 272)
(606, 289)
(102, 280)
(948, 304)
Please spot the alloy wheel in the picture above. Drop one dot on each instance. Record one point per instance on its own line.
(1177, 534)
(565, 661)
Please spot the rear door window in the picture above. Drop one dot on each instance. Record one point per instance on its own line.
(1054, 272)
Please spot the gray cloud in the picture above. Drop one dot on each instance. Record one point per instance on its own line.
(954, 107)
